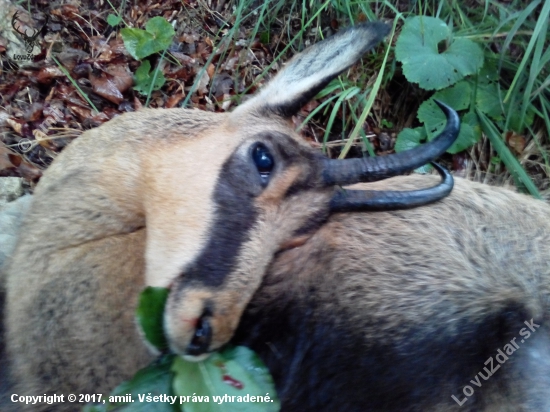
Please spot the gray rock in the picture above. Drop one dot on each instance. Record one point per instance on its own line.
(10, 189)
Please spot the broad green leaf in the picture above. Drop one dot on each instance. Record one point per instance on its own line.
(434, 119)
(457, 96)
(466, 138)
(515, 123)
(113, 20)
(409, 139)
(131, 396)
(144, 78)
(94, 408)
(417, 50)
(489, 70)
(150, 313)
(156, 37)
(228, 380)
(488, 100)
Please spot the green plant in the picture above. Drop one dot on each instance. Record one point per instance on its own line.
(476, 81)
(156, 37)
(233, 379)
(436, 60)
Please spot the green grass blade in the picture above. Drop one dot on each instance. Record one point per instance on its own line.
(315, 111)
(532, 42)
(371, 98)
(540, 33)
(155, 73)
(519, 175)
(348, 93)
(75, 84)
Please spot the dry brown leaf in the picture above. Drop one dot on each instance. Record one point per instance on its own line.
(106, 87)
(5, 161)
(39, 135)
(202, 87)
(221, 84)
(137, 104)
(81, 112)
(516, 141)
(34, 112)
(46, 74)
(29, 171)
(174, 99)
(15, 125)
(122, 77)
(183, 58)
(211, 70)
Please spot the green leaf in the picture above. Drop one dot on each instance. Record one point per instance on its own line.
(434, 119)
(113, 20)
(229, 379)
(94, 408)
(265, 37)
(466, 138)
(515, 123)
(418, 50)
(156, 37)
(409, 139)
(154, 380)
(144, 78)
(150, 313)
(488, 100)
(521, 178)
(457, 96)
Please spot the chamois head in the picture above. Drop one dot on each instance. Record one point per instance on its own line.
(270, 191)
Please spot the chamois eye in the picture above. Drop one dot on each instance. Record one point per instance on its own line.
(263, 160)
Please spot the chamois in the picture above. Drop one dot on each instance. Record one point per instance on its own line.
(362, 298)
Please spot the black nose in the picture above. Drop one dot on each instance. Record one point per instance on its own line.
(201, 339)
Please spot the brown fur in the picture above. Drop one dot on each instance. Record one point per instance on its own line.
(470, 269)
(84, 246)
(142, 199)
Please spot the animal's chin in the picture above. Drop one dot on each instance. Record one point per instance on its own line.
(196, 358)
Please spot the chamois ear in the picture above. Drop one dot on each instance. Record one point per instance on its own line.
(309, 72)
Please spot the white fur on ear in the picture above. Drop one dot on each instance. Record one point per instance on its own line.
(308, 72)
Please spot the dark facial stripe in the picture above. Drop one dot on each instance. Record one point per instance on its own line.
(235, 215)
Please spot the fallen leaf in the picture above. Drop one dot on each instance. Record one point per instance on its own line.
(80, 112)
(515, 141)
(106, 87)
(5, 161)
(183, 58)
(137, 104)
(46, 74)
(34, 112)
(202, 87)
(122, 77)
(29, 171)
(15, 125)
(221, 85)
(174, 100)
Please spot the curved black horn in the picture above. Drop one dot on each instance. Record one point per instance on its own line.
(350, 171)
(356, 200)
